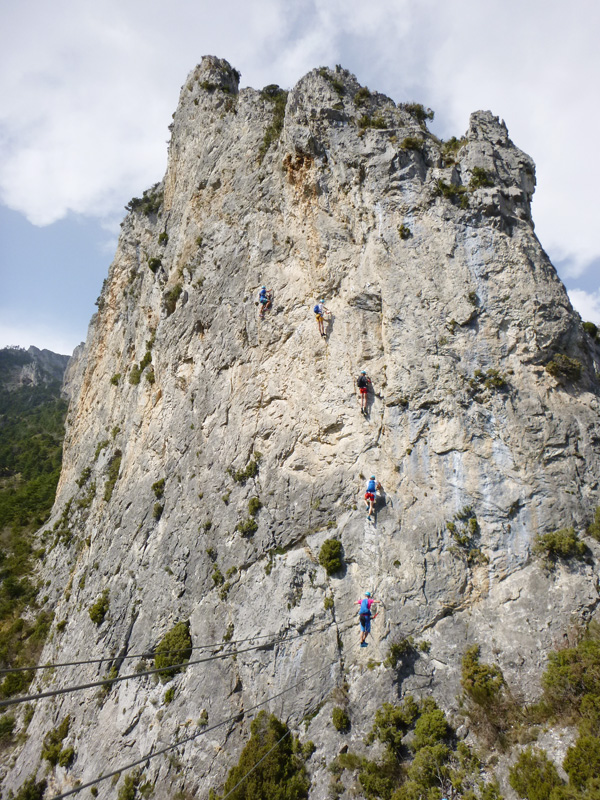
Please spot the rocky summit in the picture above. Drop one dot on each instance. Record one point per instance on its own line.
(211, 451)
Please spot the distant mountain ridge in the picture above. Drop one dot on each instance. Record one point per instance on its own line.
(31, 367)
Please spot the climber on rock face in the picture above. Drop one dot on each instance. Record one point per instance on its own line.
(370, 494)
(363, 382)
(265, 299)
(365, 616)
(320, 312)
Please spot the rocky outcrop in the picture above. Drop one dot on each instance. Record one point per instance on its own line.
(185, 405)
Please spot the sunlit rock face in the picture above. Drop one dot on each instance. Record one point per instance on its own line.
(426, 257)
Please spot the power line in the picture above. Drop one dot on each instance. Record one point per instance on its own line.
(148, 655)
(151, 754)
(110, 681)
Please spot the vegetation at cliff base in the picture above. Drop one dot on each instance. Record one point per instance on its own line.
(280, 775)
(422, 758)
(31, 435)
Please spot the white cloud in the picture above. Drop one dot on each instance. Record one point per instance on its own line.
(587, 304)
(88, 89)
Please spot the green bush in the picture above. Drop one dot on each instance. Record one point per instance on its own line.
(148, 204)
(249, 471)
(362, 96)
(247, 527)
(340, 719)
(412, 143)
(154, 264)
(392, 723)
(217, 576)
(158, 487)
(397, 652)
(7, 726)
(174, 648)
(99, 609)
(328, 603)
(163, 238)
(115, 379)
(563, 544)
(404, 232)
(112, 475)
(561, 366)
(533, 776)
(452, 191)
(479, 179)
(372, 122)
(30, 790)
(52, 745)
(418, 111)
(169, 695)
(483, 683)
(451, 147)
(571, 682)
(591, 329)
(171, 298)
(129, 787)
(280, 775)
(254, 506)
(430, 729)
(157, 511)
(582, 761)
(330, 556)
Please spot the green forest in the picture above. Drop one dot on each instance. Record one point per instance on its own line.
(31, 435)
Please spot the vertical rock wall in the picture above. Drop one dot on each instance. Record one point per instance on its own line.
(425, 255)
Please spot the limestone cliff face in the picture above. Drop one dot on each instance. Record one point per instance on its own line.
(426, 256)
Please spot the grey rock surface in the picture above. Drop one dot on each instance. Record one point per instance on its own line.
(447, 299)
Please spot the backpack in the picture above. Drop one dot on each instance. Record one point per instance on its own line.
(372, 487)
(317, 309)
(362, 381)
(364, 608)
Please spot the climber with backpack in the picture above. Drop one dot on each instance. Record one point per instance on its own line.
(363, 382)
(370, 495)
(265, 298)
(320, 312)
(365, 617)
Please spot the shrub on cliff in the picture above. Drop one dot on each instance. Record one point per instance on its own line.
(271, 763)
(330, 556)
(99, 609)
(174, 648)
(340, 719)
(563, 367)
(533, 775)
(563, 544)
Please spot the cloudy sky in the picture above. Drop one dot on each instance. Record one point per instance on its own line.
(88, 89)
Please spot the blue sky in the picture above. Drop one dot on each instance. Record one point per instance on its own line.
(89, 88)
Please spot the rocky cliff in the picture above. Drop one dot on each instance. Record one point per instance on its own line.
(483, 429)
